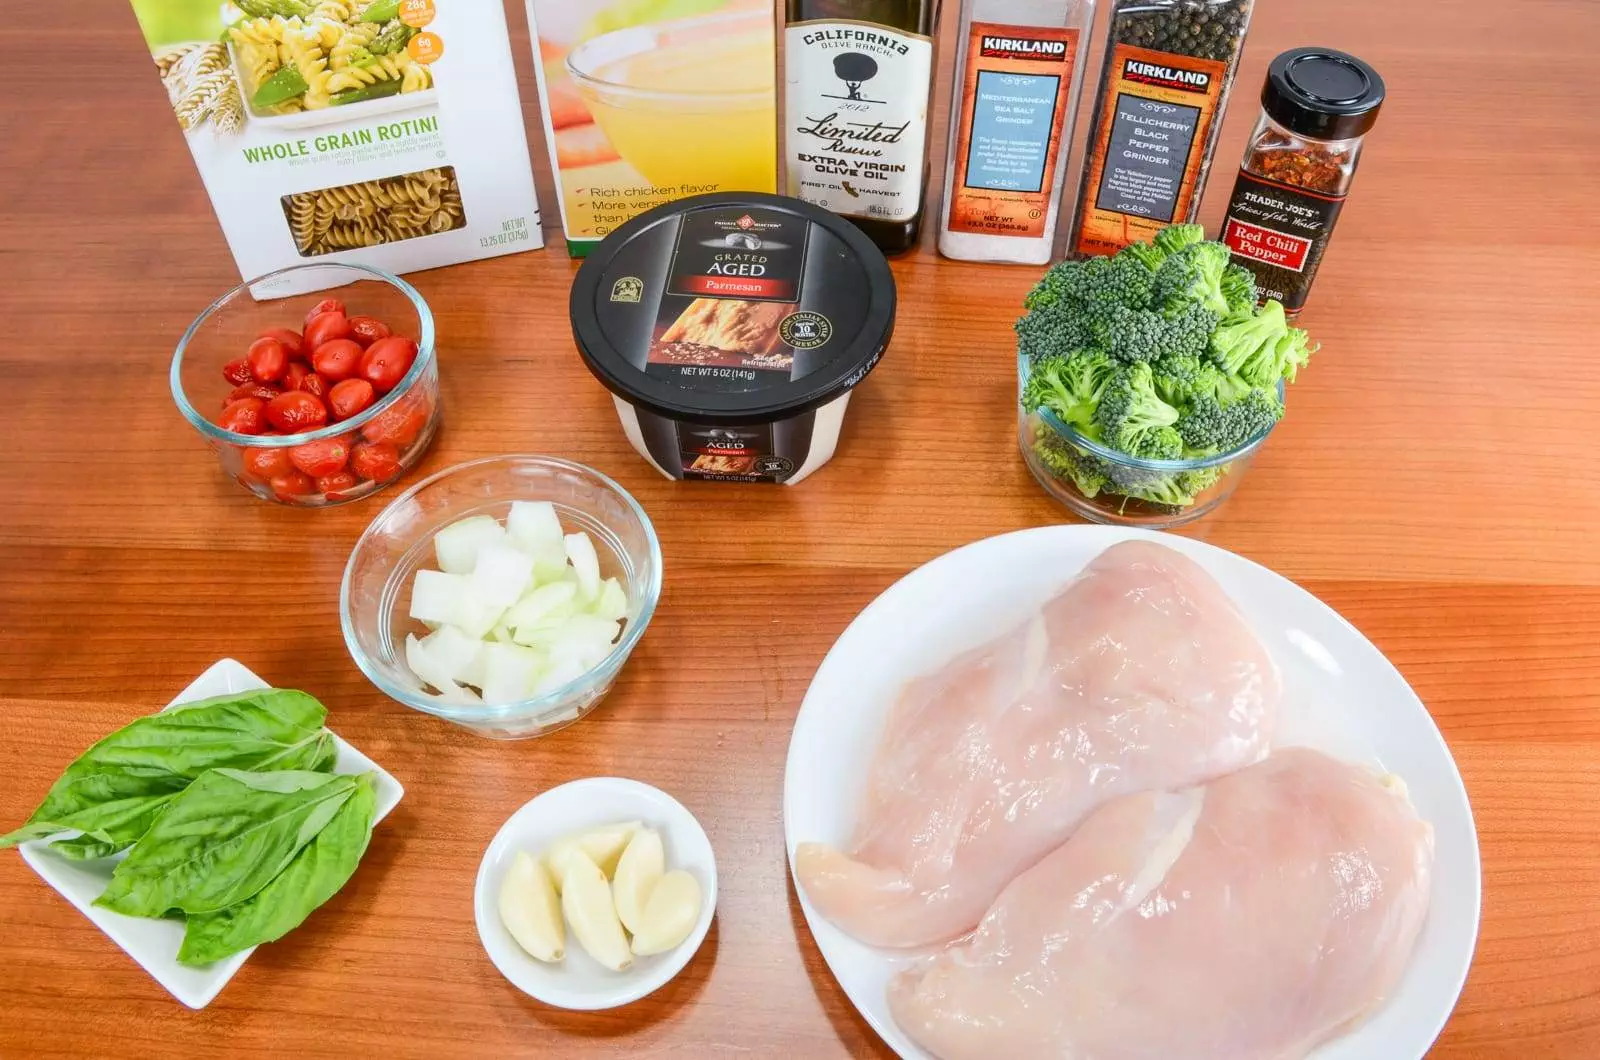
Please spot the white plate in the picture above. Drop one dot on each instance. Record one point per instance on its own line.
(154, 943)
(1343, 697)
(580, 982)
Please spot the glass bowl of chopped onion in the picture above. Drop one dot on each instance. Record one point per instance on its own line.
(503, 594)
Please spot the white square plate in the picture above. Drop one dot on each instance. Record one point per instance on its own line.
(154, 943)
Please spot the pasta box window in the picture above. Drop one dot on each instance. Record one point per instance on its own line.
(386, 132)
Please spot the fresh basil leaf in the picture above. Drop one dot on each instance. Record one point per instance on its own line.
(223, 840)
(316, 874)
(85, 848)
(160, 755)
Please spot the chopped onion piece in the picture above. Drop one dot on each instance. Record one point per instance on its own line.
(456, 653)
(537, 603)
(533, 526)
(558, 675)
(502, 575)
(458, 544)
(516, 611)
(436, 596)
(510, 672)
(428, 668)
(459, 697)
(612, 603)
(584, 639)
(580, 552)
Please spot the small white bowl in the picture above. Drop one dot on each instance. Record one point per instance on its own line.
(579, 981)
(154, 943)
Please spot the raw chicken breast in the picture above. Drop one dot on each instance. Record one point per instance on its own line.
(1250, 919)
(1140, 674)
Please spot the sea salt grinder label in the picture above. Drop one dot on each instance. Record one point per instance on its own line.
(857, 113)
(1013, 104)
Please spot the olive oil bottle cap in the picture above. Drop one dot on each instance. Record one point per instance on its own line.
(1322, 93)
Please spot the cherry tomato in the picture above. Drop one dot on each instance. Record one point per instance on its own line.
(350, 397)
(378, 461)
(296, 411)
(337, 483)
(325, 457)
(237, 372)
(243, 416)
(268, 360)
(295, 375)
(265, 464)
(367, 330)
(316, 385)
(251, 390)
(291, 340)
(292, 484)
(398, 424)
(337, 360)
(326, 328)
(387, 361)
(327, 305)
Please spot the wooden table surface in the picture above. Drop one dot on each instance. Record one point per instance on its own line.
(1432, 482)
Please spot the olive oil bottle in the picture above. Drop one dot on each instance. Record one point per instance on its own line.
(855, 131)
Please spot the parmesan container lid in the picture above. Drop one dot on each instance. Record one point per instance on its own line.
(733, 308)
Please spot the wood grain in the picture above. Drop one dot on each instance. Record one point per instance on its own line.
(1432, 481)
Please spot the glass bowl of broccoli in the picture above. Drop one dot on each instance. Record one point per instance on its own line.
(1148, 381)
(1105, 485)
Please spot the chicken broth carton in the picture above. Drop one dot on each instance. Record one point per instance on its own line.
(649, 101)
(385, 132)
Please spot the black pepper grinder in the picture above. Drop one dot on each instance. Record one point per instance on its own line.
(1316, 109)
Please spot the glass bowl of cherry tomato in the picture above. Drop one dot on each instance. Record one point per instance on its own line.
(315, 385)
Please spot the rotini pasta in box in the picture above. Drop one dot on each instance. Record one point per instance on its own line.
(382, 131)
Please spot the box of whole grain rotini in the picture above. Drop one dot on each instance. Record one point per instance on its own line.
(387, 132)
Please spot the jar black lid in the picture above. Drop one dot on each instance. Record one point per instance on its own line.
(1322, 93)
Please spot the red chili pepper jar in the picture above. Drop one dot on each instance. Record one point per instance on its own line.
(1316, 109)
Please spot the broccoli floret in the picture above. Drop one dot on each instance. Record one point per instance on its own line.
(1067, 462)
(1209, 426)
(1133, 418)
(1069, 386)
(1189, 330)
(1075, 284)
(1293, 351)
(1179, 491)
(1147, 254)
(1125, 281)
(1236, 343)
(1201, 479)
(1048, 291)
(1261, 349)
(1193, 274)
(1174, 238)
(1181, 378)
(1167, 242)
(1129, 335)
(1239, 288)
(1053, 330)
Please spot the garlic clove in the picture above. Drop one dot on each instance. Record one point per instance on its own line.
(670, 914)
(530, 910)
(586, 901)
(642, 864)
(603, 845)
